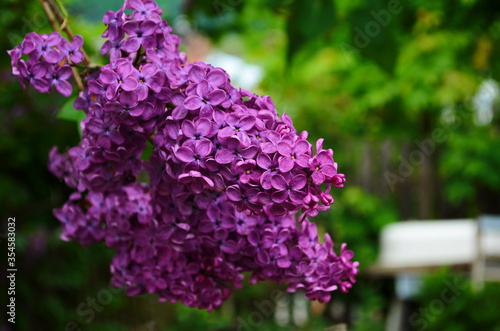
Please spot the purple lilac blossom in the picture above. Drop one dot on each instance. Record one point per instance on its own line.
(48, 63)
(227, 175)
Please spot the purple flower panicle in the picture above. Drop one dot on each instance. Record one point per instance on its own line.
(226, 175)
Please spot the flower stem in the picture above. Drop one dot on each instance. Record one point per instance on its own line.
(57, 15)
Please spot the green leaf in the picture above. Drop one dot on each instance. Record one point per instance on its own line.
(69, 113)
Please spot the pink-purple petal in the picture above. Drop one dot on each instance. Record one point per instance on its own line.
(279, 182)
(203, 148)
(285, 164)
(234, 194)
(216, 97)
(185, 154)
(298, 182)
(64, 88)
(247, 122)
(188, 128)
(193, 102)
(301, 147)
(284, 148)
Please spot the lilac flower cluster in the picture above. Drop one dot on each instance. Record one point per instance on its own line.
(192, 181)
(48, 64)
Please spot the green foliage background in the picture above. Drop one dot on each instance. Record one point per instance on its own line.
(371, 103)
(468, 310)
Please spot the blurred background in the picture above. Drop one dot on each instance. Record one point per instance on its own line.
(405, 92)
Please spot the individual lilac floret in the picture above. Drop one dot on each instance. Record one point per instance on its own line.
(34, 74)
(43, 46)
(114, 21)
(123, 77)
(204, 99)
(58, 78)
(145, 10)
(140, 35)
(73, 49)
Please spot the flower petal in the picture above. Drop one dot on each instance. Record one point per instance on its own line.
(279, 182)
(298, 182)
(285, 164)
(187, 128)
(193, 102)
(234, 194)
(224, 156)
(216, 97)
(203, 147)
(185, 154)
